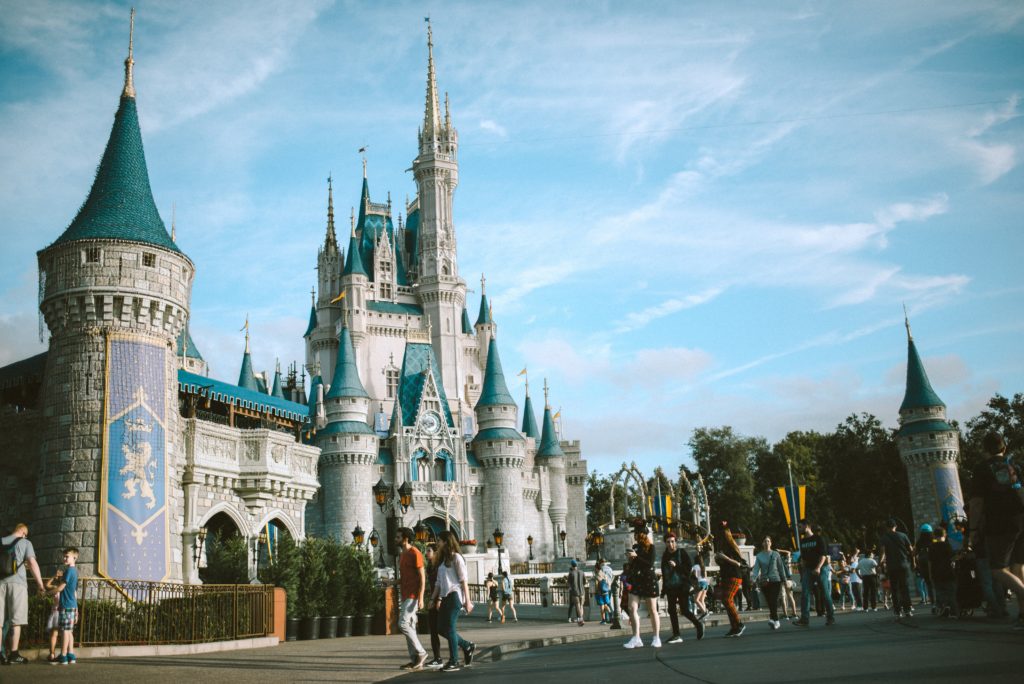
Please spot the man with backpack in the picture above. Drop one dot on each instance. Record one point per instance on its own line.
(675, 585)
(15, 554)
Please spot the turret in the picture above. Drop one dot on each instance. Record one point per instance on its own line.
(485, 326)
(189, 358)
(115, 292)
(929, 447)
(246, 375)
(551, 456)
(348, 447)
(529, 417)
(501, 449)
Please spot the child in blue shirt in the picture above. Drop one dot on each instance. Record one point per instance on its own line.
(67, 592)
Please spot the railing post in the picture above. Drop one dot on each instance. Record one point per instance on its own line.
(235, 611)
(82, 611)
(149, 614)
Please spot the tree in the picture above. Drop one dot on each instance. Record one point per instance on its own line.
(800, 451)
(598, 499)
(727, 461)
(227, 560)
(1005, 416)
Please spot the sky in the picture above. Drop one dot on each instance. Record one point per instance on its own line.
(689, 214)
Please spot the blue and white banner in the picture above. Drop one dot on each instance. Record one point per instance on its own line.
(134, 536)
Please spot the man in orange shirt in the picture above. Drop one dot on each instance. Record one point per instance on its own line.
(412, 584)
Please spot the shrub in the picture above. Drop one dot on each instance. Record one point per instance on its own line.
(312, 590)
(227, 560)
(283, 571)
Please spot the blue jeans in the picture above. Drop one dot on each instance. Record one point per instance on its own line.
(451, 606)
(807, 579)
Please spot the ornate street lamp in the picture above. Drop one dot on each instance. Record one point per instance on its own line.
(498, 537)
(358, 535)
(260, 541)
(384, 495)
(529, 541)
(422, 532)
(197, 548)
(375, 543)
(561, 535)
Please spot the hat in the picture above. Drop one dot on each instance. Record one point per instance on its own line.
(573, 563)
(926, 528)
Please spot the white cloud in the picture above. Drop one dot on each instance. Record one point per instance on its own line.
(494, 127)
(639, 319)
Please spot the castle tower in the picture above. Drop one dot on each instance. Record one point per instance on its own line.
(485, 326)
(530, 418)
(321, 336)
(115, 293)
(501, 449)
(348, 448)
(189, 358)
(929, 447)
(550, 455)
(442, 292)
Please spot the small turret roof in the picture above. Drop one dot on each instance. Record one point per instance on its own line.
(246, 376)
(314, 382)
(353, 261)
(549, 447)
(919, 392)
(467, 329)
(346, 382)
(484, 317)
(530, 419)
(186, 347)
(312, 321)
(277, 391)
(495, 391)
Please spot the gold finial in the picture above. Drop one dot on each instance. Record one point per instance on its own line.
(174, 209)
(129, 87)
(546, 404)
(246, 329)
(906, 322)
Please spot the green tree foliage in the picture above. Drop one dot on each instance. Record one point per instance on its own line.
(1002, 415)
(226, 560)
(598, 500)
(727, 462)
(311, 594)
(282, 570)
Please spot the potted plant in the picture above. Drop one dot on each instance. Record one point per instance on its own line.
(348, 567)
(312, 587)
(362, 586)
(334, 589)
(283, 571)
(468, 545)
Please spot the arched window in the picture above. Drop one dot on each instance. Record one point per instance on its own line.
(419, 466)
(444, 466)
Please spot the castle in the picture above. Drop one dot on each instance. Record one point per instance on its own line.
(118, 442)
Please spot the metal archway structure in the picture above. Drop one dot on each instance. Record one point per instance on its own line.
(631, 472)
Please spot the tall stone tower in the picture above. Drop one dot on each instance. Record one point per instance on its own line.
(348, 448)
(114, 292)
(929, 447)
(551, 456)
(436, 171)
(501, 449)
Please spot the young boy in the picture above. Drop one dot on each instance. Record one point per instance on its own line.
(53, 621)
(943, 575)
(67, 591)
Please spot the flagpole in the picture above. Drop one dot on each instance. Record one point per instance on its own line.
(795, 497)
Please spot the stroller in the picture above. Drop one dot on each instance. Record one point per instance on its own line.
(968, 586)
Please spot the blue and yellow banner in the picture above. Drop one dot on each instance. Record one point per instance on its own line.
(794, 505)
(660, 507)
(134, 534)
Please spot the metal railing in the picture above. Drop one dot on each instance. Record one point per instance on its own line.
(134, 612)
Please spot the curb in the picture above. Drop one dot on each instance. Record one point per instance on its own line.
(90, 652)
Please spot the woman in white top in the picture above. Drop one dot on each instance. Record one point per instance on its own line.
(451, 594)
(769, 574)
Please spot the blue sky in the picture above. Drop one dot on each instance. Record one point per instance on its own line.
(689, 214)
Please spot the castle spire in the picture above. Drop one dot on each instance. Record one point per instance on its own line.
(549, 446)
(529, 418)
(906, 322)
(346, 382)
(495, 390)
(430, 114)
(129, 86)
(174, 216)
(484, 316)
(332, 238)
(919, 393)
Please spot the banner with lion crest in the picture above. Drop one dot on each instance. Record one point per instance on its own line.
(134, 537)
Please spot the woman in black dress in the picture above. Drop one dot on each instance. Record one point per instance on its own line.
(644, 587)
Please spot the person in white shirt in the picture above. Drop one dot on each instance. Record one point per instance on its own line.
(450, 596)
(867, 570)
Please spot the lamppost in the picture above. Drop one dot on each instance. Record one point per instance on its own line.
(562, 535)
(384, 495)
(197, 548)
(358, 535)
(498, 537)
(261, 540)
(375, 543)
(529, 542)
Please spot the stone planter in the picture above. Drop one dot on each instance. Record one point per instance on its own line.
(309, 628)
(328, 627)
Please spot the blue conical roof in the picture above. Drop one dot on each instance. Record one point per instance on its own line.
(549, 446)
(495, 391)
(314, 382)
(354, 262)
(246, 378)
(530, 420)
(919, 392)
(467, 329)
(186, 347)
(484, 317)
(346, 381)
(312, 321)
(277, 391)
(120, 204)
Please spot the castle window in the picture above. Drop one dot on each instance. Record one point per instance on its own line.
(472, 471)
(391, 380)
(385, 290)
(148, 259)
(91, 255)
(508, 443)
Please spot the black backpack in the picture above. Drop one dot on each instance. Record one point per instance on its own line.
(8, 561)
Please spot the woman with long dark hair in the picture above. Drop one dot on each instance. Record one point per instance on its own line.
(644, 587)
(730, 574)
(450, 595)
(769, 574)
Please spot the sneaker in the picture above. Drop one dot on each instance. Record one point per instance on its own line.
(15, 658)
(572, 619)
(635, 642)
(409, 665)
(435, 664)
(420, 662)
(740, 631)
(774, 624)
(800, 623)
(675, 640)
(656, 641)
(700, 630)
(829, 622)
(451, 667)
(469, 652)
(580, 623)
(53, 659)
(63, 660)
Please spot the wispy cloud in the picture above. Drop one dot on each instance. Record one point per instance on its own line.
(639, 319)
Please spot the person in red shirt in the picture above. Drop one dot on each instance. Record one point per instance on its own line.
(412, 584)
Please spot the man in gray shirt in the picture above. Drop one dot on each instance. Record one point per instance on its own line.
(17, 550)
(575, 581)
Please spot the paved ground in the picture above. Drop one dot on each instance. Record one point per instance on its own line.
(870, 646)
